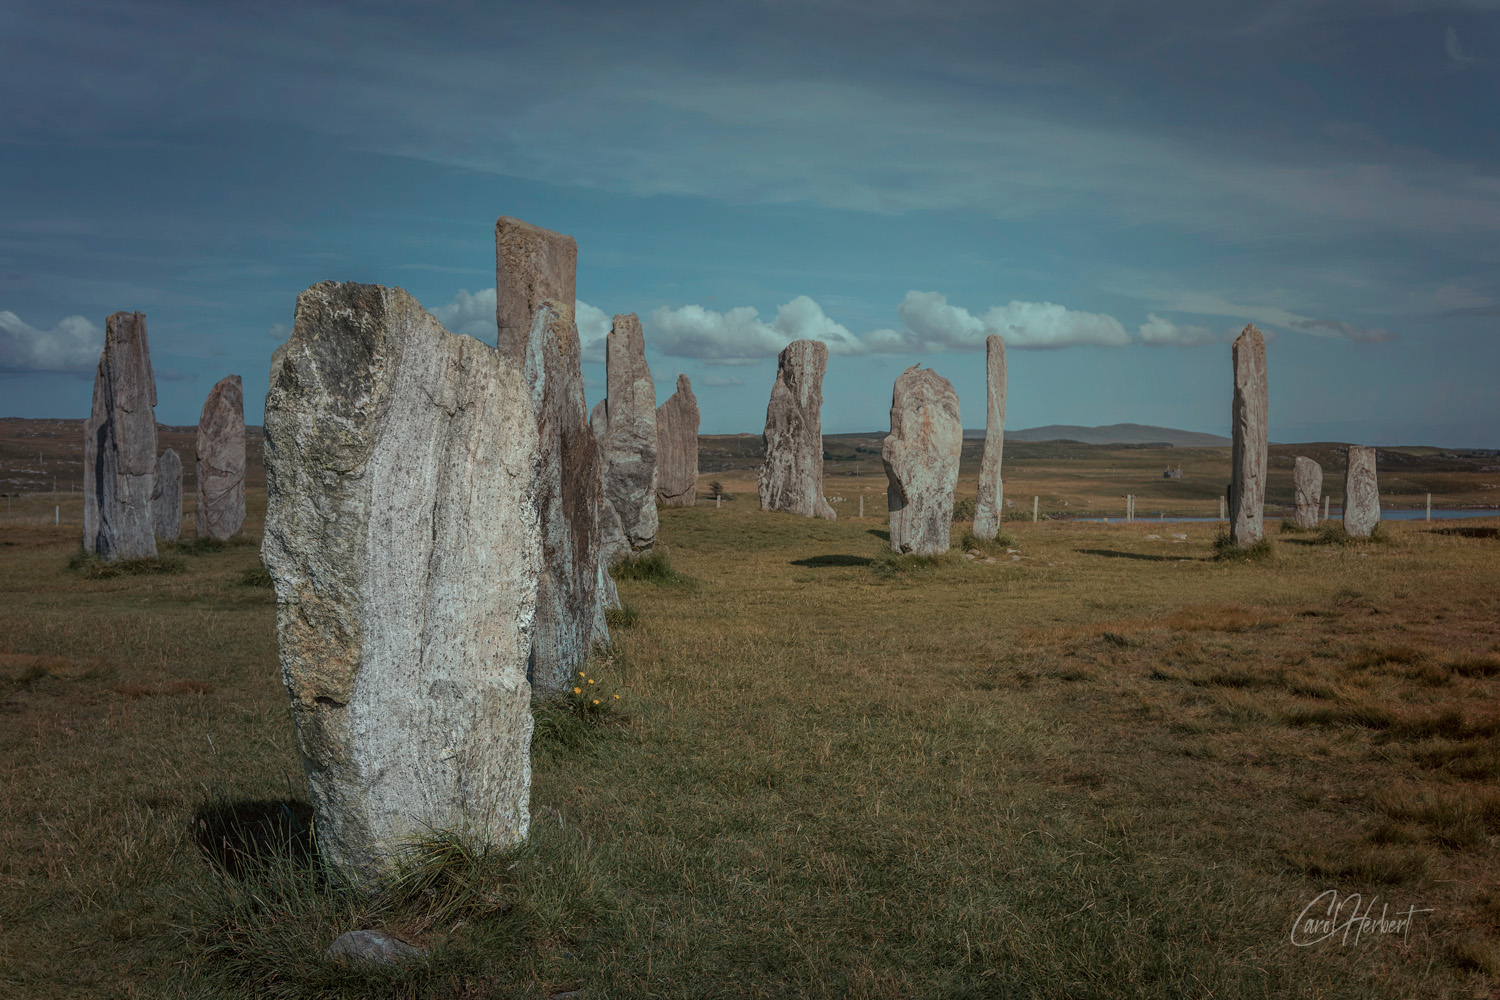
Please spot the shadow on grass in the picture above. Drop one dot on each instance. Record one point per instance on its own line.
(881, 533)
(240, 836)
(1467, 532)
(833, 560)
(1142, 556)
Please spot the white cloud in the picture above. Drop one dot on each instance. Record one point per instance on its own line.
(1215, 304)
(1338, 328)
(1451, 46)
(936, 325)
(740, 336)
(1161, 332)
(593, 327)
(279, 332)
(73, 345)
(470, 315)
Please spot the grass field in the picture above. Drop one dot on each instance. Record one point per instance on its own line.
(1113, 766)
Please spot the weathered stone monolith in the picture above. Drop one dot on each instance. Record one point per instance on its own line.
(625, 421)
(988, 507)
(677, 447)
(220, 510)
(1247, 483)
(1307, 490)
(166, 497)
(791, 478)
(533, 266)
(119, 445)
(402, 537)
(921, 461)
(1361, 493)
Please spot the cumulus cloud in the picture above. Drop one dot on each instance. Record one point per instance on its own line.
(740, 336)
(73, 345)
(593, 327)
(470, 315)
(1158, 331)
(934, 324)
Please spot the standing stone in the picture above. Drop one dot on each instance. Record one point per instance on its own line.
(791, 478)
(921, 461)
(402, 537)
(677, 447)
(987, 509)
(220, 511)
(1307, 486)
(119, 445)
(1247, 484)
(166, 497)
(533, 266)
(1361, 493)
(627, 419)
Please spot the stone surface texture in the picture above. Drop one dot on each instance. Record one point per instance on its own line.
(990, 503)
(677, 447)
(119, 445)
(403, 539)
(1247, 475)
(1361, 493)
(791, 478)
(166, 497)
(534, 279)
(921, 461)
(571, 597)
(532, 265)
(1307, 490)
(220, 511)
(625, 422)
(376, 947)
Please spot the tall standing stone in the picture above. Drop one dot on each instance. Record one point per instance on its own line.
(166, 497)
(402, 536)
(534, 280)
(1361, 493)
(921, 461)
(220, 510)
(988, 509)
(626, 422)
(677, 447)
(791, 478)
(1307, 489)
(1247, 483)
(119, 445)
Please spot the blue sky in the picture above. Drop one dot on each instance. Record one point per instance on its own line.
(1116, 188)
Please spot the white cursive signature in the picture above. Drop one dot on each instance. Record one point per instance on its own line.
(1342, 916)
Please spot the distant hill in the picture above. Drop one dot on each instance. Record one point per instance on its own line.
(1113, 434)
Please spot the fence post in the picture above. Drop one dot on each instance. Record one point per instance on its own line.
(1034, 509)
(1429, 506)
(861, 505)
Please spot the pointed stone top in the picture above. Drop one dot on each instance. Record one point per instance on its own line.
(532, 265)
(684, 385)
(1249, 333)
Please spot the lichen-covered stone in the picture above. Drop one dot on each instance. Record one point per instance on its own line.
(534, 279)
(988, 506)
(1247, 477)
(166, 497)
(119, 445)
(921, 461)
(1361, 493)
(677, 447)
(532, 265)
(220, 511)
(402, 536)
(1307, 490)
(625, 422)
(791, 477)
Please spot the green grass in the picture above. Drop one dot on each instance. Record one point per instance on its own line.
(650, 567)
(1082, 774)
(92, 567)
(1225, 550)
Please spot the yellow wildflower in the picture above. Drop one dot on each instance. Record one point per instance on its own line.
(578, 690)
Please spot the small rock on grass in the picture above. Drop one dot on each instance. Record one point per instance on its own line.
(371, 946)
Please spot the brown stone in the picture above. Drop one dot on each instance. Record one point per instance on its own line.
(532, 265)
(791, 477)
(1307, 490)
(1249, 419)
(989, 506)
(921, 457)
(677, 447)
(625, 421)
(220, 511)
(119, 445)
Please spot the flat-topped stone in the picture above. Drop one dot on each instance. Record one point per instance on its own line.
(403, 538)
(119, 445)
(532, 265)
(1249, 419)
